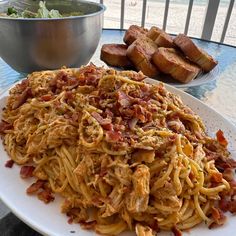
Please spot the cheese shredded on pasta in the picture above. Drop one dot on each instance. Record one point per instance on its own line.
(124, 154)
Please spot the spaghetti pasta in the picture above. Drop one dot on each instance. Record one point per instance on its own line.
(124, 154)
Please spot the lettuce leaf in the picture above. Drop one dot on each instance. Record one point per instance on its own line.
(43, 12)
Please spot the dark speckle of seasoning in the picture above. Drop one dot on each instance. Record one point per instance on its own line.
(72, 231)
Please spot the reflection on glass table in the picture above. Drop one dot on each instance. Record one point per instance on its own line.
(218, 93)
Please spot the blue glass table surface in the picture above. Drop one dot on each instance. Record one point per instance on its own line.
(220, 94)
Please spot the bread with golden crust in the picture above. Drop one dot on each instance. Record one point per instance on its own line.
(160, 37)
(133, 33)
(148, 68)
(154, 32)
(115, 55)
(194, 53)
(140, 53)
(172, 62)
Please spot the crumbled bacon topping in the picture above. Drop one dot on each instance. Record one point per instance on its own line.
(176, 231)
(113, 136)
(221, 139)
(26, 171)
(216, 177)
(46, 196)
(46, 97)
(218, 217)
(22, 98)
(88, 225)
(35, 187)
(123, 99)
(9, 163)
(105, 123)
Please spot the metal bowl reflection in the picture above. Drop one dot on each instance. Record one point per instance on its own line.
(38, 44)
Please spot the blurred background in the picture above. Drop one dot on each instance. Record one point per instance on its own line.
(177, 15)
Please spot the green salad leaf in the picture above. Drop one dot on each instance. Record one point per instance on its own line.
(42, 12)
(11, 10)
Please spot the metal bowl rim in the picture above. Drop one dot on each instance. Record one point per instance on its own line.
(102, 9)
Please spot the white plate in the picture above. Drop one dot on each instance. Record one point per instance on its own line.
(201, 79)
(48, 220)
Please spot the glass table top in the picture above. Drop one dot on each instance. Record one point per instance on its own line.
(219, 94)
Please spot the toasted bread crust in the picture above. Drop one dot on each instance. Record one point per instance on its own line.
(160, 37)
(154, 32)
(164, 40)
(147, 68)
(133, 33)
(140, 53)
(169, 61)
(115, 55)
(194, 53)
(140, 49)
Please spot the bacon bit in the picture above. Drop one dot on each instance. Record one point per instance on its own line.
(162, 90)
(105, 123)
(214, 184)
(221, 139)
(145, 88)
(46, 97)
(69, 96)
(113, 136)
(109, 113)
(216, 177)
(70, 220)
(233, 184)
(92, 80)
(22, 98)
(73, 213)
(123, 99)
(215, 214)
(119, 127)
(138, 76)
(75, 117)
(89, 75)
(228, 174)
(218, 217)
(176, 231)
(60, 76)
(224, 204)
(173, 138)
(127, 113)
(108, 127)
(232, 206)
(88, 225)
(45, 196)
(224, 164)
(191, 175)
(154, 226)
(33, 188)
(57, 104)
(142, 114)
(26, 171)
(24, 84)
(73, 83)
(211, 155)
(97, 201)
(9, 163)
(98, 117)
(5, 126)
(58, 81)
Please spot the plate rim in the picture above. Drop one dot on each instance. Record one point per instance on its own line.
(44, 231)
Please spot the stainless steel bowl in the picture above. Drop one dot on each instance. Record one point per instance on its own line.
(38, 44)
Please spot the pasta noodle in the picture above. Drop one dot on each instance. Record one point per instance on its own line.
(124, 154)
